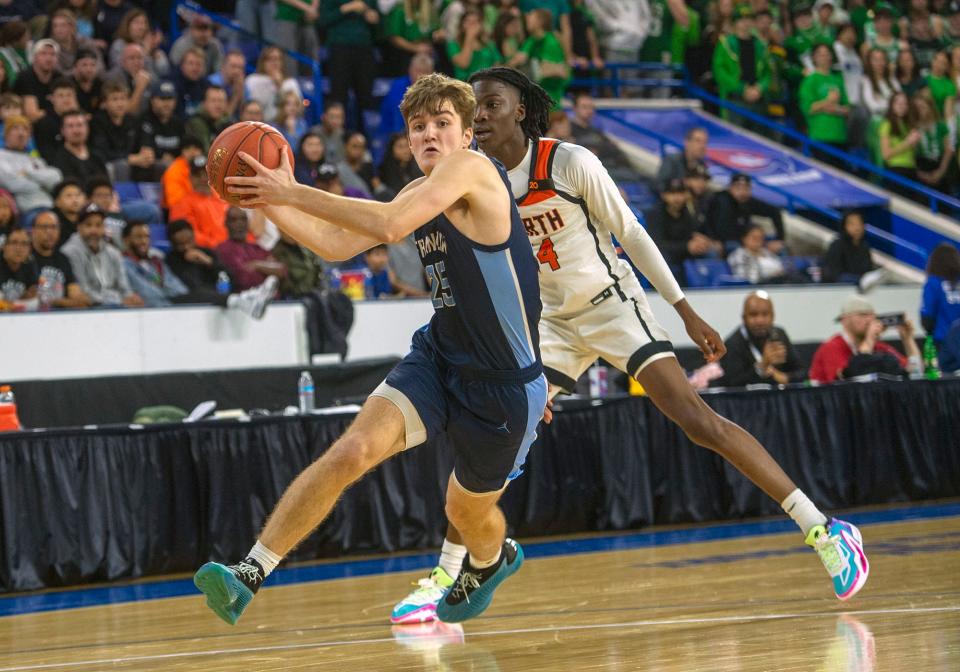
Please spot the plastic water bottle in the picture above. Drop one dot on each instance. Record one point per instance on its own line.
(931, 364)
(305, 392)
(8, 410)
(598, 381)
(223, 283)
(45, 293)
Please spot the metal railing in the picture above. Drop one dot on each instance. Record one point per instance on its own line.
(186, 8)
(936, 200)
(791, 200)
(616, 81)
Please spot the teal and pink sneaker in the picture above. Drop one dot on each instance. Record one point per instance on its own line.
(841, 550)
(420, 606)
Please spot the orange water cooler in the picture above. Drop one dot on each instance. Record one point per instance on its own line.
(8, 410)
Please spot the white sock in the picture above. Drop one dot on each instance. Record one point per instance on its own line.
(483, 564)
(451, 557)
(267, 558)
(799, 507)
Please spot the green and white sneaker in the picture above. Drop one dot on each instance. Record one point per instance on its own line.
(420, 606)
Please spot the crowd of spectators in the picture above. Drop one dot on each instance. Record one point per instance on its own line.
(692, 221)
(94, 92)
(872, 77)
(760, 352)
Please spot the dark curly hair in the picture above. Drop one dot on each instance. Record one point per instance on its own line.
(536, 102)
(944, 262)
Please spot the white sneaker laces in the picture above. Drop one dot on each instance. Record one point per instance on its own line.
(247, 572)
(466, 582)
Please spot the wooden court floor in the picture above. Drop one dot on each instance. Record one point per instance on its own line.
(749, 604)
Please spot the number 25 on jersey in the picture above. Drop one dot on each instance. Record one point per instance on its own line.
(439, 285)
(547, 255)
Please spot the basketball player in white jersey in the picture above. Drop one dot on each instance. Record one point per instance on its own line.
(594, 306)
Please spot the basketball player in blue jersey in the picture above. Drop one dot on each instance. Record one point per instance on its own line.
(593, 306)
(474, 371)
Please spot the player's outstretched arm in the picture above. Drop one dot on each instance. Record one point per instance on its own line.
(449, 181)
(329, 241)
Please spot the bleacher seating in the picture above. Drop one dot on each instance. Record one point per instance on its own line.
(710, 273)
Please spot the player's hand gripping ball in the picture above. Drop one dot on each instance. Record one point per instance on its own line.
(261, 141)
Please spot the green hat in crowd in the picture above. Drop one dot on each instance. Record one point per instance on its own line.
(884, 8)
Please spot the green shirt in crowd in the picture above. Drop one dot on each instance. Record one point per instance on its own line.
(349, 29)
(547, 49)
(485, 57)
(802, 43)
(931, 142)
(658, 47)
(397, 25)
(891, 49)
(906, 158)
(684, 38)
(726, 66)
(823, 126)
(289, 13)
(14, 61)
(941, 89)
(557, 7)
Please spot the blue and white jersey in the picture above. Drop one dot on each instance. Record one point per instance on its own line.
(486, 299)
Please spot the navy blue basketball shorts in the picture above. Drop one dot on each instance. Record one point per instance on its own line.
(490, 425)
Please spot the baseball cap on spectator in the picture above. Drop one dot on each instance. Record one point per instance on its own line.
(699, 170)
(821, 3)
(163, 88)
(884, 8)
(742, 11)
(91, 210)
(801, 8)
(327, 172)
(674, 186)
(740, 177)
(16, 120)
(46, 42)
(198, 164)
(855, 305)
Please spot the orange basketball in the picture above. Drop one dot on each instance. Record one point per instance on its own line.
(261, 141)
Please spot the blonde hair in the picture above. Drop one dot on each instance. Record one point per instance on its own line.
(419, 11)
(282, 104)
(428, 94)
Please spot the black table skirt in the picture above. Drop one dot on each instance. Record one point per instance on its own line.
(79, 506)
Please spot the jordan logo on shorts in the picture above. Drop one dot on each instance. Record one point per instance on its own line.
(504, 428)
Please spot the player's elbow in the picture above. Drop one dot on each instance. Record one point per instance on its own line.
(391, 228)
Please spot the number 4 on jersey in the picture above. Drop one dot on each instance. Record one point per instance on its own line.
(547, 255)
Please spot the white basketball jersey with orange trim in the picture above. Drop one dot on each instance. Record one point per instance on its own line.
(570, 207)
